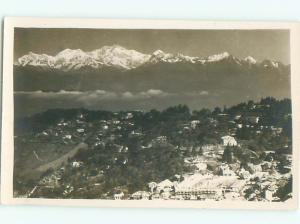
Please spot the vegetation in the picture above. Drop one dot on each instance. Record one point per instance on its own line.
(151, 146)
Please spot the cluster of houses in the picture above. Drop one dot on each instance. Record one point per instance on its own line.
(227, 185)
(210, 180)
(225, 182)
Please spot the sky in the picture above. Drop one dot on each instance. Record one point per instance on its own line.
(260, 44)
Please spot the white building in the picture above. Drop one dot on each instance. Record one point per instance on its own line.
(165, 186)
(226, 171)
(229, 141)
(269, 195)
(67, 137)
(76, 164)
(119, 196)
(80, 130)
(129, 115)
(194, 123)
(140, 195)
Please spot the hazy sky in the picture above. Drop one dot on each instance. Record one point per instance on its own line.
(260, 44)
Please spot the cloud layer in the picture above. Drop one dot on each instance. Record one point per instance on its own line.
(105, 95)
(28, 103)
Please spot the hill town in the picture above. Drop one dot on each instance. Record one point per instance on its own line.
(242, 152)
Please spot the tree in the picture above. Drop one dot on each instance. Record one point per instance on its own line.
(284, 191)
(228, 155)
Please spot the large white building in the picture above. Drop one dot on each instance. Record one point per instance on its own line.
(165, 186)
(202, 187)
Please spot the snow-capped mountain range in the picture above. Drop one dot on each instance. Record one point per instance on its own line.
(122, 58)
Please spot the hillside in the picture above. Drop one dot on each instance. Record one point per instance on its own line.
(128, 149)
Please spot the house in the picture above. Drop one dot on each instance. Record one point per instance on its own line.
(270, 192)
(160, 139)
(165, 186)
(229, 141)
(177, 176)
(194, 123)
(269, 195)
(207, 187)
(140, 195)
(226, 171)
(116, 122)
(77, 164)
(80, 130)
(200, 193)
(276, 131)
(67, 137)
(119, 196)
(129, 115)
(237, 117)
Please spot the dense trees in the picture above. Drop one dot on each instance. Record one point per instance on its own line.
(149, 160)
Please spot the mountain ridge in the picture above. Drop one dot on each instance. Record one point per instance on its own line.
(124, 59)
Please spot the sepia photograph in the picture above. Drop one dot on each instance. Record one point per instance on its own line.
(184, 114)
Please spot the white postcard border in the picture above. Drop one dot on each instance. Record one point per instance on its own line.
(7, 143)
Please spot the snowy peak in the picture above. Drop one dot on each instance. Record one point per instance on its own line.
(74, 59)
(121, 58)
(70, 53)
(158, 53)
(35, 59)
(116, 55)
(250, 60)
(218, 57)
(160, 56)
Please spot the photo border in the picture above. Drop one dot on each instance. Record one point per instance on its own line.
(7, 135)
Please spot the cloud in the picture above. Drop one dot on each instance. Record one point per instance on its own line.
(128, 95)
(95, 95)
(203, 93)
(155, 93)
(197, 93)
(40, 93)
(151, 93)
